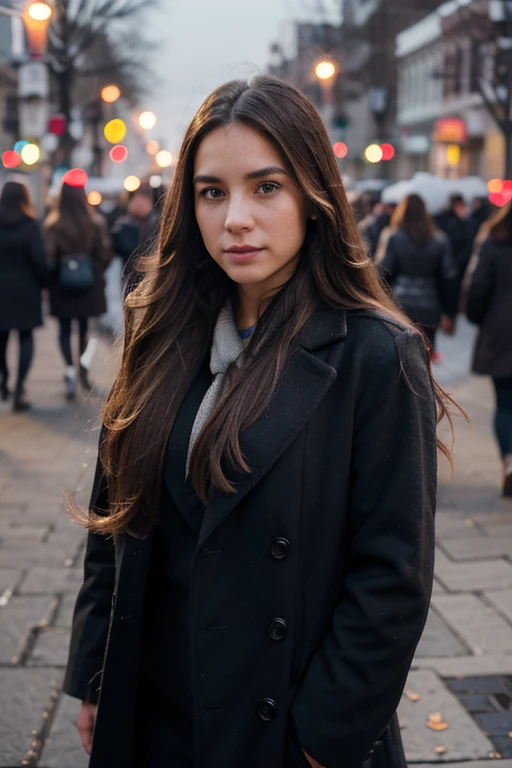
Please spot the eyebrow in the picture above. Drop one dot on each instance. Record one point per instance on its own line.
(270, 171)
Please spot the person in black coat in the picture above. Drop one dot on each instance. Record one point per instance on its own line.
(260, 553)
(489, 305)
(419, 267)
(133, 232)
(75, 233)
(23, 273)
(454, 223)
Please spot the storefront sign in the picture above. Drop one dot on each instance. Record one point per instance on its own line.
(450, 129)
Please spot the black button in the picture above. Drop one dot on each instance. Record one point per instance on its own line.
(280, 548)
(267, 710)
(277, 629)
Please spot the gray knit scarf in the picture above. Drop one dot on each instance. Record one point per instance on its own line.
(227, 348)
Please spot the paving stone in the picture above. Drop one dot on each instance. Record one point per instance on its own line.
(64, 617)
(455, 666)
(51, 648)
(502, 599)
(478, 548)
(437, 640)
(18, 530)
(456, 525)
(28, 693)
(463, 739)
(498, 529)
(17, 619)
(49, 581)
(438, 589)
(9, 578)
(479, 626)
(473, 577)
(63, 748)
(24, 554)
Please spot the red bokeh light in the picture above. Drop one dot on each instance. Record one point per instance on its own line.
(507, 187)
(75, 178)
(11, 159)
(340, 149)
(57, 125)
(388, 151)
(118, 154)
(498, 199)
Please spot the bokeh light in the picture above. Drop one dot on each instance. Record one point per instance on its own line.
(94, 198)
(30, 154)
(340, 149)
(115, 131)
(152, 147)
(131, 183)
(76, 177)
(373, 153)
(155, 181)
(118, 154)
(11, 159)
(110, 94)
(324, 70)
(453, 154)
(147, 120)
(18, 147)
(39, 11)
(494, 185)
(50, 142)
(388, 151)
(164, 158)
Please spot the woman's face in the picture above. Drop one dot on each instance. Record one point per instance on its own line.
(250, 212)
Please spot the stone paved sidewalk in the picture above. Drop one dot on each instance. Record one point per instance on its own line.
(463, 668)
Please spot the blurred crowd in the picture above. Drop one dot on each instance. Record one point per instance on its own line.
(457, 261)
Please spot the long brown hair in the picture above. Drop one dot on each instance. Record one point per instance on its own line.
(412, 217)
(72, 216)
(15, 204)
(171, 314)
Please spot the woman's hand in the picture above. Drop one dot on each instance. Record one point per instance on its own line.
(314, 763)
(86, 723)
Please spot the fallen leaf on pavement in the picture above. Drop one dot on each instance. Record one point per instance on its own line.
(495, 755)
(412, 696)
(435, 717)
(440, 750)
(438, 726)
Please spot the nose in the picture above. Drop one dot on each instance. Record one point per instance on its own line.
(238, 216)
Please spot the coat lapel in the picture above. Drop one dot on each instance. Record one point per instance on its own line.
(304, 384)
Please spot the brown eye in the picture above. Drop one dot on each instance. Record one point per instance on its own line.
(212, 193)
(268, 187)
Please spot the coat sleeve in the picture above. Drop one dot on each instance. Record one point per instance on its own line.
(37, 255)
(388, 265)
(354, 682)
(448, 280)
(481, 286)
(91, 618)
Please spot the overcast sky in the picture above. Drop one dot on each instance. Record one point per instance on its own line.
(204, 43)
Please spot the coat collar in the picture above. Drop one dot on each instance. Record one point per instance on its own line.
(304, 384)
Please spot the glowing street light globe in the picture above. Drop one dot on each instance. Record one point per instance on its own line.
(164, 158)
(30, 154)
(131, 183)
(94, 198)
(324, 70)
(39, 11)
(374, 153)
(11, 159)
(110, 94)
(152, 147)
(147, 120)
(115, 131)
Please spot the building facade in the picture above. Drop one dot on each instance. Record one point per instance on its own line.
(443, 123)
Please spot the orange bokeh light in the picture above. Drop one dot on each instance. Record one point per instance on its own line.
(340, 149)
(495, 185)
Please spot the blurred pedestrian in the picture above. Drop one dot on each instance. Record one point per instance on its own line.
(23, 273)
(489, 305)
(419, 267)
(79, 251)
(454, 222)
(481, 210)
(133, 232)
(270, 438)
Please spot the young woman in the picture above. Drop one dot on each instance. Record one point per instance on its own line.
(76, 234)
(419, 267)
(260, 554)
(489, 305)
(23, 273)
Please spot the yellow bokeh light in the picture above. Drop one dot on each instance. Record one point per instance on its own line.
(152, 147)
(131, 183)
(495, 185)
(147, 120)
(115, 131)
(110, 94)
(39, 11)
(324, 70)
(94, 198)
(374, 153)
(164, 159)
(30, 154)
(453, 154)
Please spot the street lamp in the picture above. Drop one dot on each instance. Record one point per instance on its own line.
(147, 120)
(164, 159)
(36, 17)
(39, 11)
(110, 94)
(325, 69)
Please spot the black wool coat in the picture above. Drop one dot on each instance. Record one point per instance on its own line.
(489, 305)
(23, 272)
(316, 573)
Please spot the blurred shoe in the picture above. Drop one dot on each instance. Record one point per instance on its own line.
(507, 480)
(70, 382)
(20, 405)
(84, 378)
(4, 390)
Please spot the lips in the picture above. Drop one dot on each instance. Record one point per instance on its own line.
(243, 253)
